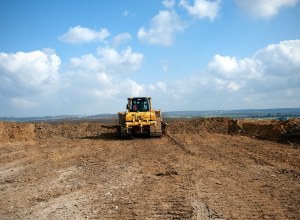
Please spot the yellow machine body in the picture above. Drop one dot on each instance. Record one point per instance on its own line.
(140, 118)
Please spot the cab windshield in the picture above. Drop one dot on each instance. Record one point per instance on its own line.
(140, 105)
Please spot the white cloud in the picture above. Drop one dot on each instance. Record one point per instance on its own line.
(80, 34)
(202, 8)
(96, 83)
(99, 80)
(109, 60)
(223, 65)
(121, 38)
(265, 8)
(158, 86)
(168, 3)
(270, 78)
(83, 85)
(24, 103)
(282, 58)
(233, 86)
(273, 64)
(130, 88)
(87, 62)
(223, 84)
(271, 74)
(125, 60)
(34, 71)
(163, 28)
(31, 85)
(230, 67)
(119, 89)
(93, 93)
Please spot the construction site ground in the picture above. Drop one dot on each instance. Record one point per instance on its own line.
(214, 168)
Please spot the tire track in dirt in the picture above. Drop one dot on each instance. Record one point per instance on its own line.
(159, 201)
(231, 178)
(82, 170)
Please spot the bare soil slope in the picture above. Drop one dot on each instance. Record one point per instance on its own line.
(215, 168)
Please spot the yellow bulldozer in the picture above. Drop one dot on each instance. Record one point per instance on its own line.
(140, 118)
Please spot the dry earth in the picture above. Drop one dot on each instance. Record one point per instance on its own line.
(215, 168)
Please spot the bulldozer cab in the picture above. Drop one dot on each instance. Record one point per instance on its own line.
(140, 104)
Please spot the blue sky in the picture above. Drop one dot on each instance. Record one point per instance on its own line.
(86, 57)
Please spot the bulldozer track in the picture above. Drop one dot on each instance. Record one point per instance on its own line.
(180, 143)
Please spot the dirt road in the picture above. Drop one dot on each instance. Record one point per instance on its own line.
(198, 171)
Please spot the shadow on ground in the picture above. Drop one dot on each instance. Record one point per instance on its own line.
(103, 136)
(115, 136)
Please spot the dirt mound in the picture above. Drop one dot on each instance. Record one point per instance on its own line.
(273, 130)
(289, 131)
(200, 125)
(16, 131)
(279, 131)
(71, 130)
(13, 132)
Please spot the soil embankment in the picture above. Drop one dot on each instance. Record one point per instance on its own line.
(214, 168)
(280, 131)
